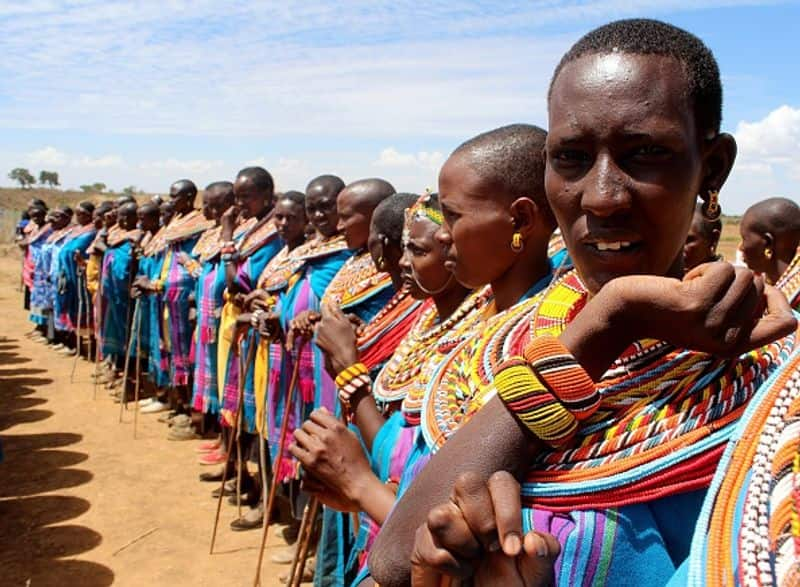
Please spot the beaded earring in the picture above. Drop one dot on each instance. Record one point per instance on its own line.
(768, 253)
(516, 243)
(711, 209)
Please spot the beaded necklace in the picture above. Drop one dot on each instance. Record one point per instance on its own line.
(461, 384)
(57, 235)
(208, 245)
(118, 237)
(356, 281)
(789, 283)
(156, 244)
(257, 236)
(286, 264)
(429, 338)
(662, 423)
(187, 226)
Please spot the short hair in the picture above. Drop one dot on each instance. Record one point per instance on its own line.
(328, 184)
(37, 202)
(186, 185)
(511, 158)
(65, 209)
(86, 206)
(389, 216)
(643, 36)
(104, 207)
(774, 215)
(293, 196)
(260, 177)
(220, 185)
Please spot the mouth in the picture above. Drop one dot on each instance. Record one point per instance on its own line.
(450, 265)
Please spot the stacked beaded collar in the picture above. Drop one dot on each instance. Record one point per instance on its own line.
(187, 226)
(357, 281)
(411, 365)
(789, 283)
(208, 245)
(658, 423)
(58, 235)
(259, 233)
(748, 532)
(277, 276)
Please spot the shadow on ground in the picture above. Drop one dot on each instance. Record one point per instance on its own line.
(35, 534)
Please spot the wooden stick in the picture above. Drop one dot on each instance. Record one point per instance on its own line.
(138, 370)
(98, 322)
(134, 541)
(228, 451)
(303, 543)
(276, 465)
(123, 402)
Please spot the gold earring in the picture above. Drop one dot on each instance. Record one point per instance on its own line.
(711, 209)
(516, 243)
(768, 253)
(380, 263)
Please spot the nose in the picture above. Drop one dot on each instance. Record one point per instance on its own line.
(340, 225)
(443, 236)
(605, 190)
(405, 261)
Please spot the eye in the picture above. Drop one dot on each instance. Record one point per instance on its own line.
(649, 153)
(570, 157)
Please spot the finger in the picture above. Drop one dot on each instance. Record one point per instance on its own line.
(431, 560)
(505, 493)
(306, 441)
(471, 495)
(450, 531)
(777, 322)
(734, 314)
(712, 280)
(311, 427)
(324, 418)
(537, 564)
(299, 452)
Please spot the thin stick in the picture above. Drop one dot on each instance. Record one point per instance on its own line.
(276, 466)
(123, 404)
(79, 337)
(301, 553)
(228, 451)
(98, 322)
(138, 370)
(134, 541)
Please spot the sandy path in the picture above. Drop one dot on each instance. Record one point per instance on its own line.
(75, 487)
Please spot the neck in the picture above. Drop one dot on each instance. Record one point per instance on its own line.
(295, 243)
(449, 300)
(778, 269)
(520, 277)
(262, 213)
(397, 278)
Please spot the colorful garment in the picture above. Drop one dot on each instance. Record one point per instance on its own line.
(359, 288)
(620, 488)
(297, 280)
(256, 249)
(116, 279)
(36, 274)
(181, 235)
(67, 286)
(151, 310)
(209, 301)
(789, 283)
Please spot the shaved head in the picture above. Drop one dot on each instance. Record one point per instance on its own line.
(368, 193)
(325, 185)
(770, 236)
(355, 206)
(778, 216)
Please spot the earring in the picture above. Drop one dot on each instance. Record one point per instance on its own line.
(380, 264)
(768, 253)
(516, 243)
(711, 209)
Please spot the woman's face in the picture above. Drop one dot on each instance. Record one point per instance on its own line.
(753, 245)
(624, 164)
(83, 217)
(248, 197)
(321, 212)
(477, 228)
(423, 262)
(290, 221)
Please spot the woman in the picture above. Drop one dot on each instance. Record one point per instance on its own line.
(620, 467)
(770, 238)
(33, 249)
(44, 290)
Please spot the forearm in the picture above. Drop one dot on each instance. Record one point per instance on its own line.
(366, 417)
(504, 445)
(375, 498)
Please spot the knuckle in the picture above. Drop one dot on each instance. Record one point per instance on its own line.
(466, 483)
(440, 518)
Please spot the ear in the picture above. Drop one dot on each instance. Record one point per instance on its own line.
(524, 216)
(769, 240)
(715, 234)
(719, 156)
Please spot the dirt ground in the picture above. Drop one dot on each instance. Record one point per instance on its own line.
(82, 502)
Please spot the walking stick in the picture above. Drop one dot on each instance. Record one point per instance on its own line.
(228, 450)
(123, 403)
(303, 542)
(287, 410)
(138, 369)
(98, 322)
(79, 337)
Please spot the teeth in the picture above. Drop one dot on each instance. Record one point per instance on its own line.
(612, 246)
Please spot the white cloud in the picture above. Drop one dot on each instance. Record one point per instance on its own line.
(98, 162)
(47, 156)
(391, 157)
(198, 166)
(768, 162)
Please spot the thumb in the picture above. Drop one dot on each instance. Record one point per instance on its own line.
(778, 320)
(537, 562)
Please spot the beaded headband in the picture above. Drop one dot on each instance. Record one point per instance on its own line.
(422, 208)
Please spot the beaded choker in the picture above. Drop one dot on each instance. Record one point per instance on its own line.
(262, 231)
(357, 281)
(208, 245)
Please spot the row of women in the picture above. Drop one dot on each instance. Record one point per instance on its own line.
(473, 397)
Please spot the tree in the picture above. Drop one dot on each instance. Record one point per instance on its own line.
(95, 188)
(48, 177)
(99, 187)
(23, 176)
(129, 191)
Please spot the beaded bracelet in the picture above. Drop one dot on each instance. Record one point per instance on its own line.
(254, 318)
(563, 375)
(347, 374)
(348, 389)
(535, 405)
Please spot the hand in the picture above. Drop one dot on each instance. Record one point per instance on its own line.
(254, 296)
(336, 336)
(238, 300)
(302, 327)
(269, 326)
(228, 221)
(193, 315)
(328, 496)
(716, 308)
(478, 534)
(332, 454)
(183, 258)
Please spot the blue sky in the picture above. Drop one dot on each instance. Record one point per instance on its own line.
(145, 92)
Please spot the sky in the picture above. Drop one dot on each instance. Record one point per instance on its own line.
(143, 93)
